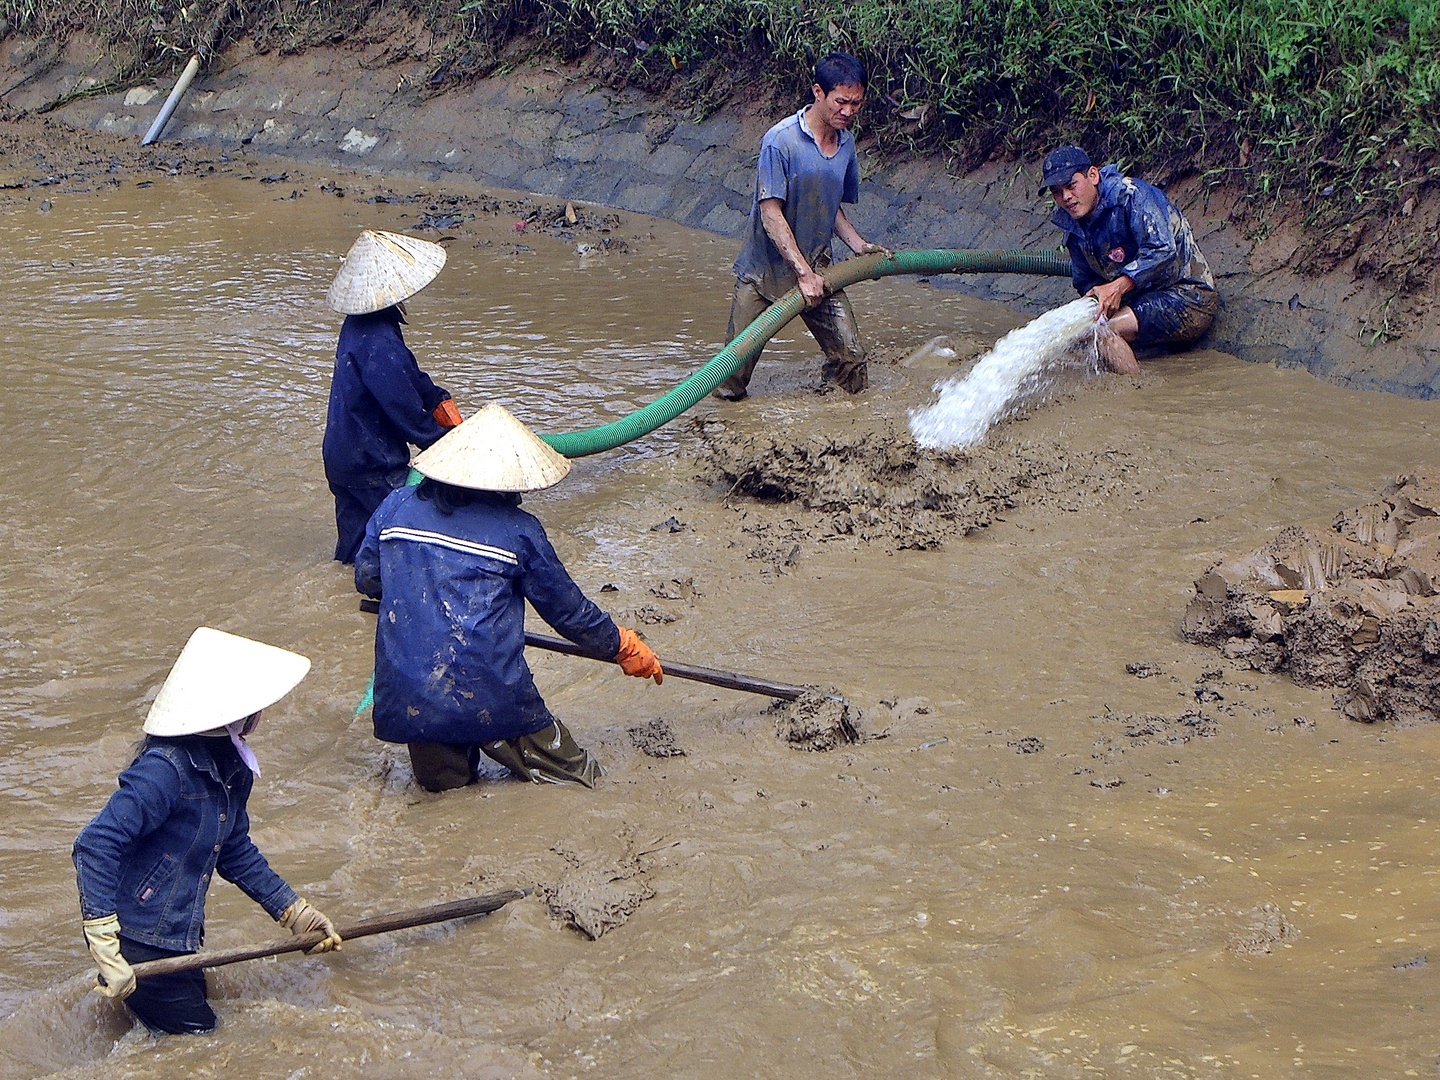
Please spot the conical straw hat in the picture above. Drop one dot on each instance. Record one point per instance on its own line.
(220, 678)
(383, 268)
(492, 451)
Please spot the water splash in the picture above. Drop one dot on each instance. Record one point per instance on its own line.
(1025, 367)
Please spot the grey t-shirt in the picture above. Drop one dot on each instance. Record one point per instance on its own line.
(792, 168)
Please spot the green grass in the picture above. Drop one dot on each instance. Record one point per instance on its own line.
(1277, 95)
(1314, 94)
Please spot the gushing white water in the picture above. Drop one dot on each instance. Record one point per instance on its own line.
(1022, 369)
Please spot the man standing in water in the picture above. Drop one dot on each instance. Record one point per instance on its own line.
(380, 400)
(807, 168)
(1132, 250)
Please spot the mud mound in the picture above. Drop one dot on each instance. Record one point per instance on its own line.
(880, 486)
(819, 720)
(1269, 926)
(1354, 608)
(655, 739)
(598, 900)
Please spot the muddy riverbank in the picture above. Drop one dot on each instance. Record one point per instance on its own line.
(1067, 840)
(1352, 307)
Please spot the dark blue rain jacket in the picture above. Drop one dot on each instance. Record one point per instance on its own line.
(450, 642)
(1134, 230)
(178, 817)
(380, 401)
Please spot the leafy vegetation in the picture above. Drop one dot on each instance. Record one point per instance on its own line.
(1337, 94)
(1340, 97)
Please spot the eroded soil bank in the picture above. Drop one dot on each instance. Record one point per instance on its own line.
(1351, 609)
(1350, 305)
(1066, 841)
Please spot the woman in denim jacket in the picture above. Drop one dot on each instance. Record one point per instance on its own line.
(144, 863)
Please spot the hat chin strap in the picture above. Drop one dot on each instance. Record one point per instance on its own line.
(236, 731)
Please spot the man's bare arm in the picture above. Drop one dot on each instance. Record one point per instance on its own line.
(772, 216)
(853, 240)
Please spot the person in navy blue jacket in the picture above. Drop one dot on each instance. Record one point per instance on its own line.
(1132, 250)
(144, 864)
(452, 562)
(380, 400)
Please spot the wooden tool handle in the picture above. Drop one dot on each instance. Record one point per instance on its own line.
(380, 924)
(728, 679)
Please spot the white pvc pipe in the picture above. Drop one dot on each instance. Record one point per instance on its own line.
(173, 100)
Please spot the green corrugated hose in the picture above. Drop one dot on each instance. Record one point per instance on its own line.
(662, 410)
(752, 339)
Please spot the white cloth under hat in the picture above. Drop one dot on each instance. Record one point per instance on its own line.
(220, 678)
(493, 451)
(381, 269)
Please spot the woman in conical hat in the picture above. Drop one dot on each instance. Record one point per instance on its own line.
(452, 563)
(380, 400)
(144, 863)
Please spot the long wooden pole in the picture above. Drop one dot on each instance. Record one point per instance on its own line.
(728, 679)
(380, 924)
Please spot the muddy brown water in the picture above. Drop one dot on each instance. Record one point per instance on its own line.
(1018, 880)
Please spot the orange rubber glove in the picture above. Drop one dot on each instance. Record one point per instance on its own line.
(638, 659)
(446, 414)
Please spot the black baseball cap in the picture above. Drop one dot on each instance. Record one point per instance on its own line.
(1061, 164)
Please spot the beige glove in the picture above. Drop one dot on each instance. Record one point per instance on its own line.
(302, 917)
(103, 937)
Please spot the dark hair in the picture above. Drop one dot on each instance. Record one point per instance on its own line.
(840, 69)
(447, 497)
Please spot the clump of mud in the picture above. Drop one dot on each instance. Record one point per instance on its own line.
(596, 901)
(450, 210)
(1354, 609)
(655, 739)
(1269, 926)
(879, 485)
(818, 720)
(1151, 729)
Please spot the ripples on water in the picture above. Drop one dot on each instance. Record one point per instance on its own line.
(901, 911)
(168, 359)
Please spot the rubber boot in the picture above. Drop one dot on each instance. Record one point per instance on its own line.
(443, 766)
(548, 756)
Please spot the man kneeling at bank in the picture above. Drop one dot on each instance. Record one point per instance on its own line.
(1132, 249)
(452, 563)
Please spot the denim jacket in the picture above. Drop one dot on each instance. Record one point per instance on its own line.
(178, 817)
(1134, 230)
(450, 643)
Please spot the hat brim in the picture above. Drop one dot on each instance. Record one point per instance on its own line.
(220, 678)
(493, 451)
(381, 269)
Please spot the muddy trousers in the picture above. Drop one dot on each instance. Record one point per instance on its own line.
(355, 501)
(548, 756)
(831, 322)
(171, 1004)
(1176, 315)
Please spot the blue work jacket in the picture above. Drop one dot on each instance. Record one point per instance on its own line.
(178, 817)
(380, 401)
(450, 641)
(1134, 230)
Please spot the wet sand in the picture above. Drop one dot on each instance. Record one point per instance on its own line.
(1037, 863)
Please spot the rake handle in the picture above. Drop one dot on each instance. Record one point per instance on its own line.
(379, 924)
